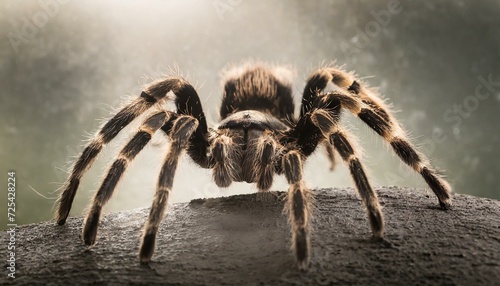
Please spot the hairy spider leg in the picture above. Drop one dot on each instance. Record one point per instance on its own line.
(366, 105)
(263, 165)
(227, 159)
(116, 170)
(152, 94)
(189, 104)
(314, 85)
(340, 139)
(330, 154)
(305, 136)
(298, 207)
(89, 154)
(181, 132)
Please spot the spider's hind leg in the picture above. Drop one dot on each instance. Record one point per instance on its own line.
(180, 133)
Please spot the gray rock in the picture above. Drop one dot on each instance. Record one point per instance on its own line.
(240, 240)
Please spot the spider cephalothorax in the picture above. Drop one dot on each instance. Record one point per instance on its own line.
(258, 136)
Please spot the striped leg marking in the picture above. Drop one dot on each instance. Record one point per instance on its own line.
(299, 208)
(115, 172)
(225, 157)
(264, 162)
(345, 148)
(181, 131)
(365, 104)
(340, 140)
(152, 94)
(89, 154)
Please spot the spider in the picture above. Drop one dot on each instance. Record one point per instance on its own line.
(257, 137)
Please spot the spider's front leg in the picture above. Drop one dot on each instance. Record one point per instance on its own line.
(180, 134)
(299, 207)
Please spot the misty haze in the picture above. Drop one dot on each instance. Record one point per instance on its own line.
(67, 66)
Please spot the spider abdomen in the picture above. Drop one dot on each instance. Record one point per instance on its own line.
(258, 87)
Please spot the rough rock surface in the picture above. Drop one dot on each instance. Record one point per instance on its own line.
(240, 240)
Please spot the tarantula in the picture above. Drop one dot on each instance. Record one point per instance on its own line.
(258, 136)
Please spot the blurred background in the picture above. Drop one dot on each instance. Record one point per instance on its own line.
(65, 66)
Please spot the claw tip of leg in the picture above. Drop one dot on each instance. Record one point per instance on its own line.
(378, 235)
(89, 241)
(303, 265)
(144, 260)
(445, 205)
